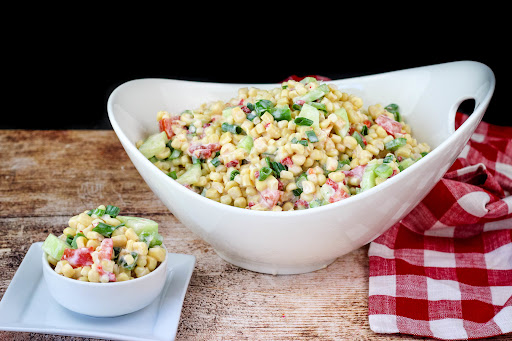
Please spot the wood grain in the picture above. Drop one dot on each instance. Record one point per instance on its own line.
(48, 176)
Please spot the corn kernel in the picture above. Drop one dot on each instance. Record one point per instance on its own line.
(140, 247)
(151, 263)
(141, 271)
(131, 235)
(158, 253)
(119, 241)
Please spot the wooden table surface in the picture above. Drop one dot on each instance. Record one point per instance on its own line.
(48, 176)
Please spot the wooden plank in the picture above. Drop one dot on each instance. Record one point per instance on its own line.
(48, 176)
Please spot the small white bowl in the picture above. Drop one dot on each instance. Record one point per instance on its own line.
(301, 241)
(105, 299)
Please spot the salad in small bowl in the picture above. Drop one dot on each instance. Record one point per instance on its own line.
(104, 264)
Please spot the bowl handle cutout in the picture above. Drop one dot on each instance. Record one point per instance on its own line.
(464, 106)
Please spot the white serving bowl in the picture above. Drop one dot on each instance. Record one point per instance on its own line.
(105, 299)
(307, 240)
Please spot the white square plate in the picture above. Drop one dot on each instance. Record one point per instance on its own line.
(27, 306)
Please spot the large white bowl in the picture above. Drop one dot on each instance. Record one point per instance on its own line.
(105, 299)
(307, 240)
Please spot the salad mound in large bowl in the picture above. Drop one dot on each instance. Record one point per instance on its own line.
(284, 178)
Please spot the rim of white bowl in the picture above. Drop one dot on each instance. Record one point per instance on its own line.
(361, 196)
(128, 282)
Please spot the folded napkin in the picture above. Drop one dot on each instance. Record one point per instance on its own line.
(445, 270)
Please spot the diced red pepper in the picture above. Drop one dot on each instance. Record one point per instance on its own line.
(233, 163)
(367, 123)
(301, 202)
(300, 102)
(338, 195)
(269, 198)
(204, 151)
(165, 124)
(106, 249)
(246, 110)
(390, 126)
(78, 257)
(332, 183)
(256, 174)
(111, 275)
(287, 161)
(280, 185)
(241, 102)
(356, 172)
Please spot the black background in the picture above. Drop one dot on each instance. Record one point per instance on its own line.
(66, 85)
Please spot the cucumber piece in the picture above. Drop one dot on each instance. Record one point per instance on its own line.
(342, 113)
(139, 225)
(307, 80)
(326, 191)
(246, 143)
(368, 180)
(314, 94)
(191, 176)
(154, 144)
(226, 113)
(54, 246)
(311, 113)
(405, 164)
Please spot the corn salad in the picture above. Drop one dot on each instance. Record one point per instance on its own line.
(100, 246)
(302, 145)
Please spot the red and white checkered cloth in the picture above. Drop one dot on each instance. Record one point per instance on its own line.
(445, 270)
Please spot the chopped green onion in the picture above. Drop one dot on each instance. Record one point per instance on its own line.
(69, 239)
(383, 171)
(423, 154)
(263, 105)
(112, 211)
(389, 158)
(233, 174)
(276, 167)
(319, 106)
(105, 229)
(342, 163)
(195, 160)
(192, 129)
(296, 106)
(173, 175)
(311, 136)
(234, 129)
(364, 130)
(302, 142)
(115, 254)
(282, 114)
(73, 242)
(300, 179)
(303, 121)
(359, 139)
(151, 238)
(122, 262)
(97, 211)
(395, 144)
(215, 161)
(297, 192)
(264, 173)
(250, 106)
(393, 108)
(251, 116)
